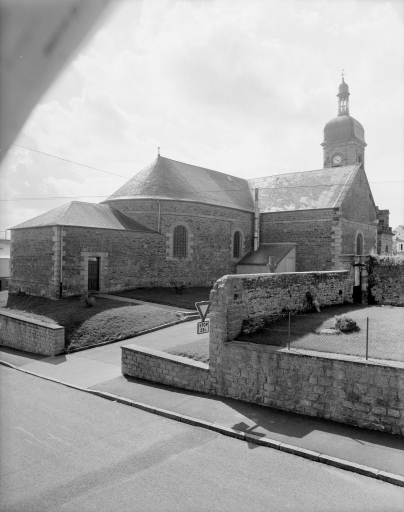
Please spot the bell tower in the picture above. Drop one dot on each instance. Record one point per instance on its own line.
(344, 137)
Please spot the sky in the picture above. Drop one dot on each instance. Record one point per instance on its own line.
(241, 87)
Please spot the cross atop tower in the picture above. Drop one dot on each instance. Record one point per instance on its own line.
(158, 151)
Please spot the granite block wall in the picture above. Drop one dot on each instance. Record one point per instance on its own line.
(359, 393)
(32, 261)
(311, 230)
(127, 259)
(211, 228)
(31, 335)
(387, 284)
(156, 366)
(248, 300)
(342, 389)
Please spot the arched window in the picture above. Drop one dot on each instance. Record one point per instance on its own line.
(359, 244)
(180, 242)
(387, 248)
(237, 244)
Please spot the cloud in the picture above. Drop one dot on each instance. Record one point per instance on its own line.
(241, 87)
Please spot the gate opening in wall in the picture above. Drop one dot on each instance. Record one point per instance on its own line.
(93, 274)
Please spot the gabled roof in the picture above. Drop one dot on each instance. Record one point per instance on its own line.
(264, 251)
(87, 215)
(325, 188)
(169, 179)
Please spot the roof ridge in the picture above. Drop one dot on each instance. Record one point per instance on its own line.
(301, 172)
(204, 168)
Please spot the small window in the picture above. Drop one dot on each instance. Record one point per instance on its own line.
(359, 244)
(387, 248)
(180, 242)
(237, 244)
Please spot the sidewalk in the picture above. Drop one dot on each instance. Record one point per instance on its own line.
(98, 370)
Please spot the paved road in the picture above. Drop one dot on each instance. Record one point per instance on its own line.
(64, 450)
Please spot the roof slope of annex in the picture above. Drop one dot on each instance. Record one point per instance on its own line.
(308, 190)
(87, 215)
(264, 251)
(169, 179)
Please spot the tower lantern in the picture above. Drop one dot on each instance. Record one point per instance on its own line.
(343, 98)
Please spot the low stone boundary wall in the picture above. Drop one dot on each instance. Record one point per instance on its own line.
(331, 386)
(31, 335)
(387, 285)
(244, 302)
(365, 394)
(156, 366)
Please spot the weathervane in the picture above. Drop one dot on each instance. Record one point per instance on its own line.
(342, 74)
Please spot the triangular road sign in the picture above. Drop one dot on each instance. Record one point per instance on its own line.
(203, 308)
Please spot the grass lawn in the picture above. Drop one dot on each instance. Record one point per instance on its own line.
(107, 320)
(168, 296)
(386, 332)
(197, 350)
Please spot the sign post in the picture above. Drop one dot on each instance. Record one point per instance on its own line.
(203, 310)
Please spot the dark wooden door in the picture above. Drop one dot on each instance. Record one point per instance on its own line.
(93, 274)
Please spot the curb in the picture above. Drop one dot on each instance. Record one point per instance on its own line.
(237, 434)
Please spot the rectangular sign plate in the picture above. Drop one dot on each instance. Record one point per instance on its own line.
(202, 327)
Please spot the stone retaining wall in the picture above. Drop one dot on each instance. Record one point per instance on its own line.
(149, 364)
(330, 386)
(31, 335)
(365, 394)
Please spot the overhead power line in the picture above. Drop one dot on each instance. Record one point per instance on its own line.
(168, 189)
(71, 162)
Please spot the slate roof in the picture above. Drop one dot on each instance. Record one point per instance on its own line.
(264, 251)
(342, 128)
(307, 190)
(87, 215)
(169, 179)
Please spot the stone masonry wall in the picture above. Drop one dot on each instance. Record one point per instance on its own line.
(387, 284)
(251, 299)
(32, 261)
(365, 394)
(311, 230)
(127, 259)
(31, 335)
(210, 228)
(156, 366)
(349, 233)
(358, 205)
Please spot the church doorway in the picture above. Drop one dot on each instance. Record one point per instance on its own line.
(93, 274)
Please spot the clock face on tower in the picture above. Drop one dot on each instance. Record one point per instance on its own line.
(336, 160)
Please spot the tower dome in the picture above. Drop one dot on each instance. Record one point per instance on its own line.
(343, 128)
(344, 137)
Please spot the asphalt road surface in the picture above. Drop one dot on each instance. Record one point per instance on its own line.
(65, 450)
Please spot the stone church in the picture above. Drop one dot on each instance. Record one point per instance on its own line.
(175, 223)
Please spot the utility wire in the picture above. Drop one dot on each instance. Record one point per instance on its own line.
(161, 187)
(71, 162)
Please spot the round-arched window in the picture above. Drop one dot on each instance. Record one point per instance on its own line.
(237, 244)
(180, 242)
(359, 244)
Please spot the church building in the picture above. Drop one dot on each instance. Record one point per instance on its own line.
(175, 223)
